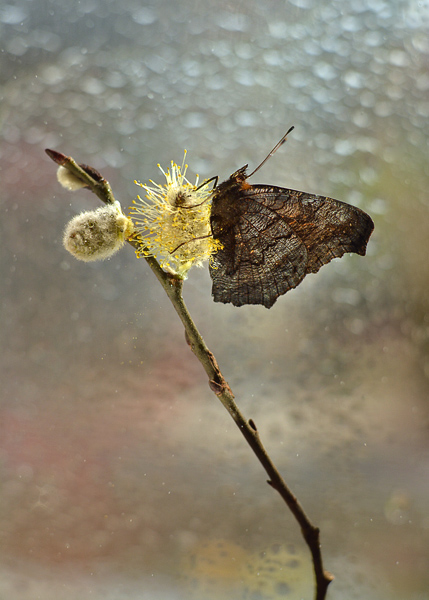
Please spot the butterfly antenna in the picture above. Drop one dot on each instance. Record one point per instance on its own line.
(276, 147)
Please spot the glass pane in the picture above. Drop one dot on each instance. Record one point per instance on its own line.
(122, 474)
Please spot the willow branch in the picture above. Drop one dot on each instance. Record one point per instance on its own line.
(173, 287)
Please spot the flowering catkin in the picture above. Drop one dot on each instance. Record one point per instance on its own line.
(97, 234)
(174, 221)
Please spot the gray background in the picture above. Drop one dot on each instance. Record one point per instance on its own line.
(122, 476)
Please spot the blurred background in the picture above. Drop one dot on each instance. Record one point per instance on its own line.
(122, 476)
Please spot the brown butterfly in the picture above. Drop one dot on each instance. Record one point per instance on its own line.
(272, 237)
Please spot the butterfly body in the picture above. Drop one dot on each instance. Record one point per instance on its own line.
(272, 237)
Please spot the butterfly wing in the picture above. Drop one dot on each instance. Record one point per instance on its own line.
(260, 260)
(275, 237)
(328, 228)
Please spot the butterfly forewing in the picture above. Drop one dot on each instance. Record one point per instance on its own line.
(328, 228)
(272, 237)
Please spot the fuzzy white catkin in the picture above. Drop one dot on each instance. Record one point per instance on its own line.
(97, 234)
(69, 180)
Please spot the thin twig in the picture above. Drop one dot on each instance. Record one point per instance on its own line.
(173, 287)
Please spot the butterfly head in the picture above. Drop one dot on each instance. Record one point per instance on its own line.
(240, 174)
(234, 184)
